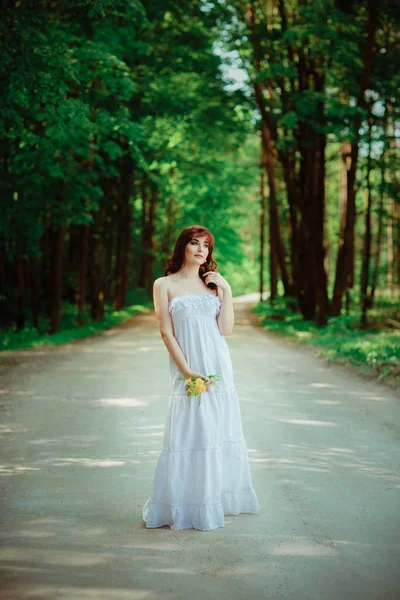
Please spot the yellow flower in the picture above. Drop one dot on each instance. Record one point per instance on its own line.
(201, 386)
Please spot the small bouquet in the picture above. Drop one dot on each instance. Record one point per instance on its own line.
(195, 386)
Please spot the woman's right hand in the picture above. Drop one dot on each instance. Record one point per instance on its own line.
(207, 379)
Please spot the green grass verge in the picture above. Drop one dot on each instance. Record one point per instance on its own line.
(375, 351)
(30, 337)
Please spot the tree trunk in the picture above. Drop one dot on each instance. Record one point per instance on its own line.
(166, 238)
(82, 273)
(328, 250)
(345, 258)
(57, 244)
(312, 285)
(170, 219)
(396, 215)
(262, 229)
(96, 264)
(124, 239)
(268, 134)
(344, 164)
(143, 257)
(279, 251)
(365, 303)
(110, 244)
(379, 235)
(273, 263)
(149, 200)
(152, 250)
(390, 246)
(72, 258)
(288, 165)
(35, 265)
(20, 268)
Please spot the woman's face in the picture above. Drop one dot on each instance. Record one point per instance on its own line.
(196, 250)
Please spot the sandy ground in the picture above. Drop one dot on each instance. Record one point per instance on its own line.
(81, 432)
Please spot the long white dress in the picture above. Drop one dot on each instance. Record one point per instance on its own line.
(203, 470)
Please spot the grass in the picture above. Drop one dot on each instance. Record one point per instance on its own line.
(374, 351)
(30, 337)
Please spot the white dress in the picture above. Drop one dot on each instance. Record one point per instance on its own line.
(203, 470)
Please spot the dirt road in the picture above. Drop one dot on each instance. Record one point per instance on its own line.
(81, 432)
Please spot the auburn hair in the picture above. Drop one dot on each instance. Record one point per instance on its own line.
(174, 263)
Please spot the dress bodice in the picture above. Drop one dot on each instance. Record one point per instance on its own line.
(195, 327)
(194, 306)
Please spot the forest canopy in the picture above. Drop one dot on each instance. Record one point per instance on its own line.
(275, 124)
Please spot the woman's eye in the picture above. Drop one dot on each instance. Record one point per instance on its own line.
(206, 245)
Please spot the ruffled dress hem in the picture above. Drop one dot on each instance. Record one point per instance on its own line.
(202, 517)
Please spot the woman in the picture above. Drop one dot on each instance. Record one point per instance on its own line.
(203, 471)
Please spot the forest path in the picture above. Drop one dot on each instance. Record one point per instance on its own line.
(82, 428)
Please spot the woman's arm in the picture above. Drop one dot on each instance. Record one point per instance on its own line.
(160, 297)
(226, 316)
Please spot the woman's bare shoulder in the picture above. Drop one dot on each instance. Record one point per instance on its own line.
(161, 281)
(161, 285)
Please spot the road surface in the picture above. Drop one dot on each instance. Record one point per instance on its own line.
(81, 432)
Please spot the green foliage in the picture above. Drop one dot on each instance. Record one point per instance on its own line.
(109, 95)
(375, 350)
(30, 337)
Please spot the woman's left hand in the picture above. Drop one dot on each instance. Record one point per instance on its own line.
(214, 277)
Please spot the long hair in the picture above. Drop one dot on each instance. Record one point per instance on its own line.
(174, 263)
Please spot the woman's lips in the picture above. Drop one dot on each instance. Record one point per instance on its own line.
(199, 255)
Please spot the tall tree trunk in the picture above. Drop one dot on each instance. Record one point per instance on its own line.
(57, 244)
(268, 134)
(166, 238)
(396, 214)
(262, 228)
(124, 221)
(20, 282)
(288, 165)
(279, 251)
(109, 262)
(321, 282)
(307, 251)
(365, 303)
(287, 159)
(149, 205)
(71, 260)
(345, 258)
(96, 264)
(390, 245)
(379, 235)
(328, 250)
(144, 233)
(393, 209)
(344, 165)
(34, 270)
(273, 262)
(170, 218)
(84, 231)
(312, 285)
(152, 248)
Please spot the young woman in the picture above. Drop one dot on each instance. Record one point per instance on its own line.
(203, 471)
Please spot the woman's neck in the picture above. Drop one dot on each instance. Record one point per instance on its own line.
(188, 272)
